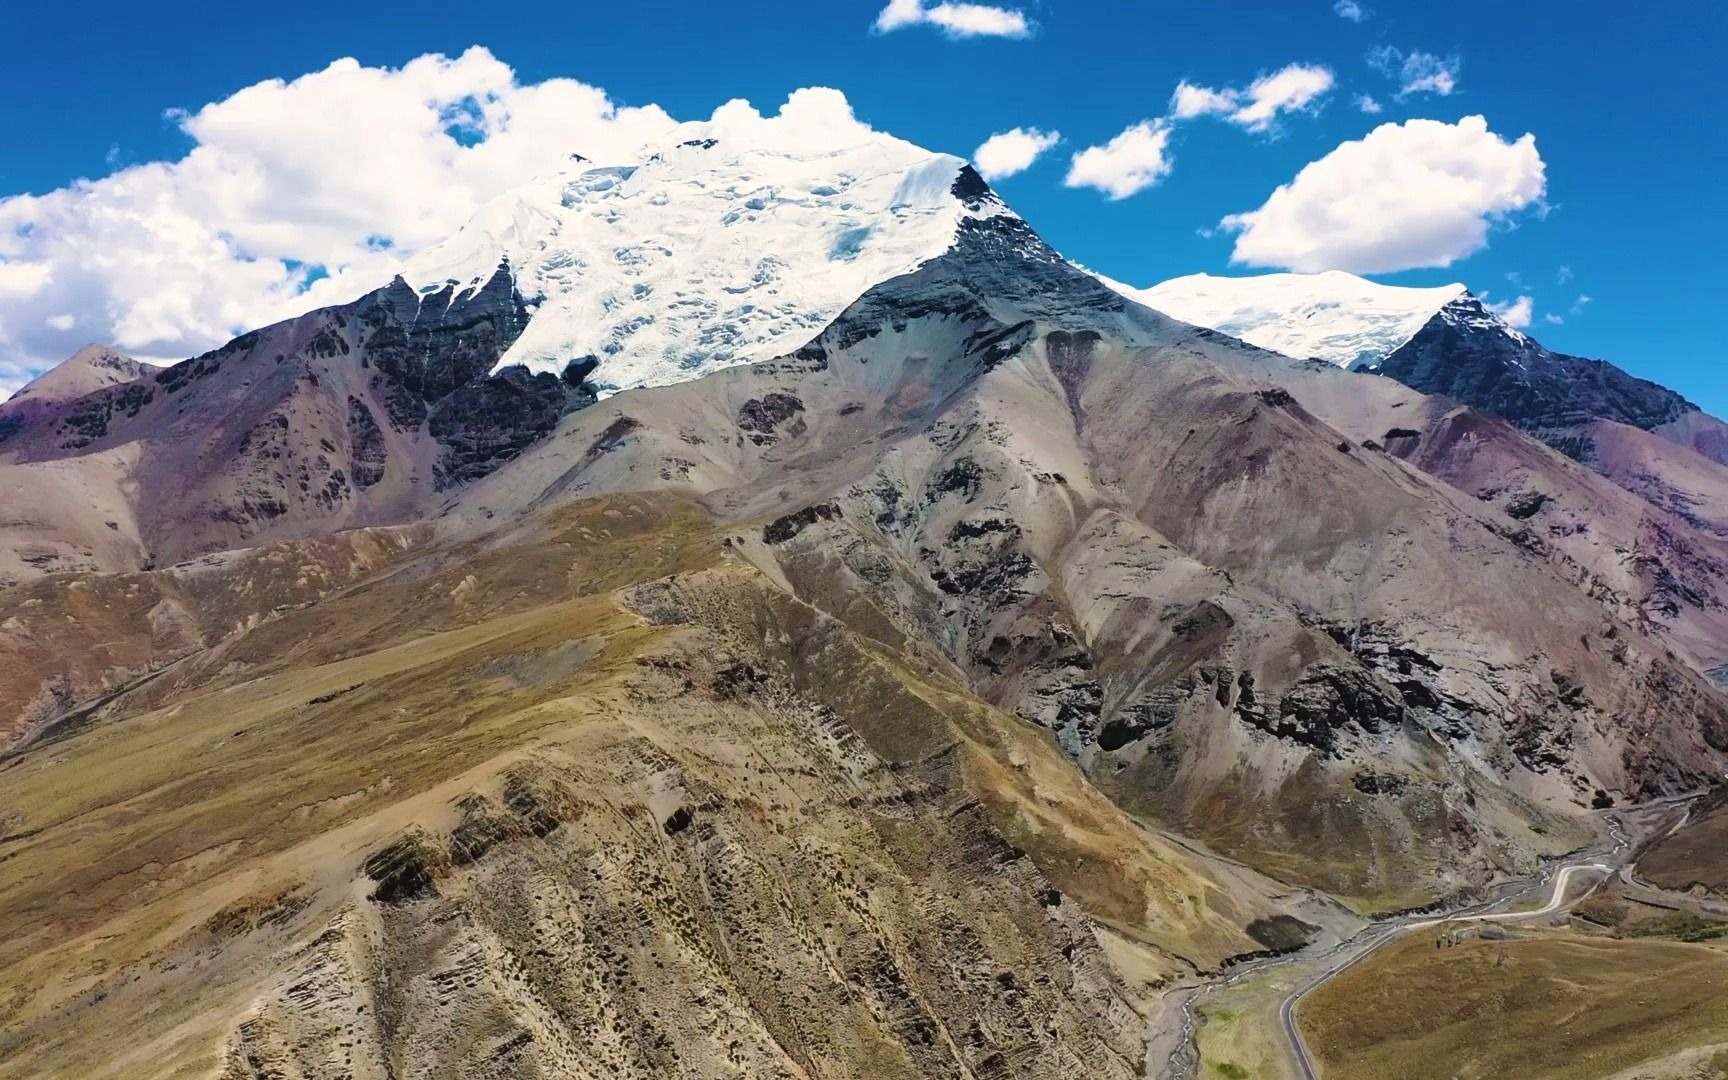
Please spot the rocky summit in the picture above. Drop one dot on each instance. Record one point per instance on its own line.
(763, 611)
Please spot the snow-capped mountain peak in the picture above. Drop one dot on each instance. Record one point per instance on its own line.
(1332, 316)
(718, 248)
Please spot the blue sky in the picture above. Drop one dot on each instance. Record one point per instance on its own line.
(1624, 108)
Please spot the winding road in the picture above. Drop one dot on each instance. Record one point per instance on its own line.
(1173, 1039)
(1557, 902)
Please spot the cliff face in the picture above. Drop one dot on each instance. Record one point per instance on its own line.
(1465, 353)
(347, 416)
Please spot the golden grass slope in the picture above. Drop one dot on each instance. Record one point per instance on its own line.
(1694, 856)
(661, 819)
(1553, 1006)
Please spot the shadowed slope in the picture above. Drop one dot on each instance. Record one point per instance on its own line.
(1124, 529)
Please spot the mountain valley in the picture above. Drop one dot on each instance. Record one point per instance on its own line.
(861, 643)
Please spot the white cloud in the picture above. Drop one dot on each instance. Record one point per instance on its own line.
(1417, 194)
(1553, 319)
(307, 192)
(21, 279)
(1131, 162)
(959, 20)
(1190, 101)
(1366, 103)
(1564, 275)
(1517, 314)
(815, 117)
(1417, 72)
(1008, 152)
(1293, 88)
(1350, 9)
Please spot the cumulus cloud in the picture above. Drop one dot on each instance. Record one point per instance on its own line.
(1516, 314)
(312, 191)
(1417, 72)
(1139, 157)
(1417, 194)
(1367, 104)
(958, 20)
(1131, 162)
(1553, 319)
(1350, 9)
(1008, 152)
(815, 117)
(1190, 101)
(1293, 88)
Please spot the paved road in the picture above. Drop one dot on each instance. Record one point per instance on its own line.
(1558, 901)
(1178, 1046)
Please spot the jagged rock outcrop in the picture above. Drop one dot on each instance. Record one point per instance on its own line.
(351, 415)
(1465, 353)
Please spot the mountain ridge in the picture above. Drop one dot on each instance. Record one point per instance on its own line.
(1443, 341)
(1334, 316)
(827, 708)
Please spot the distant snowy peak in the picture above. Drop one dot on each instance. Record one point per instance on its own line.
(1468, 312)
(1334, 316)
(705, 255)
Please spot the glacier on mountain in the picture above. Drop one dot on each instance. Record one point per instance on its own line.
(720, 248)
(1331, 316)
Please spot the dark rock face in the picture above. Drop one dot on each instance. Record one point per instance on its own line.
(1412, 673)
(406, 869)
(964, 478)
(366, 448)
(485, 423)
(678, 822)
(88, 419)
(613, 437)
(1462, 353)
(784, 528)
(1378, 783)
(1070, 354)
(1527, 504)
(998, 264)
(432, 358)
(425, 348)
(971, 189)
(1327, 699)
(760, 417)
(482, 828)
(1282, 932)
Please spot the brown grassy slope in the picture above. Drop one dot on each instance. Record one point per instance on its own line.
(1548, 1007)
(74, 639)
(1695, 855)
(176, 870)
